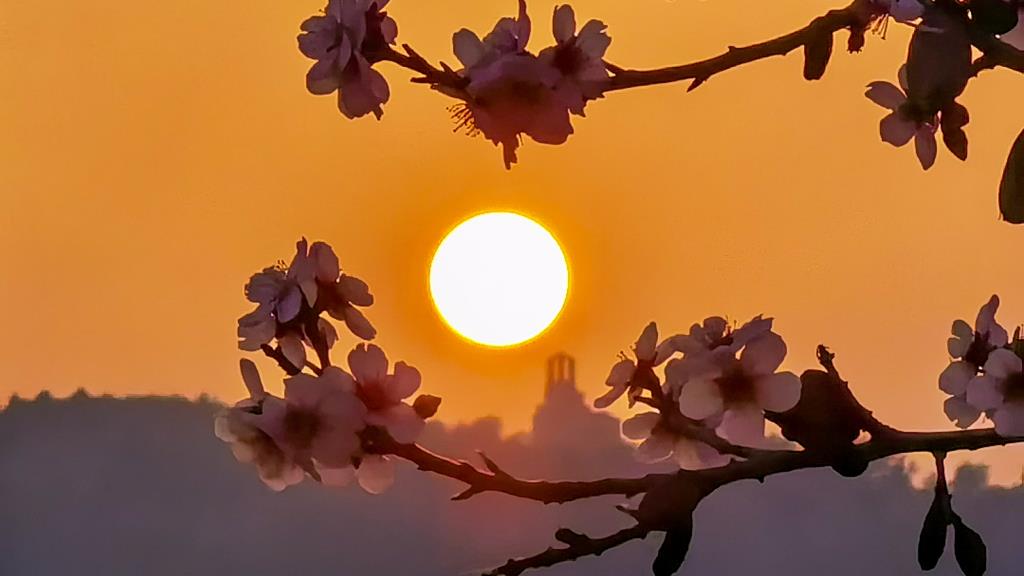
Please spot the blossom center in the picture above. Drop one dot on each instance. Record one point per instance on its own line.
(301, 426)
(373, 396)
(736, 386)
(1013, 388)
(977, 353)
(569, 59)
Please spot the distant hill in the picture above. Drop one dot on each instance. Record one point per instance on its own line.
(104, 486)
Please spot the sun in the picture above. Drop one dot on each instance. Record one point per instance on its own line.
(499, 279)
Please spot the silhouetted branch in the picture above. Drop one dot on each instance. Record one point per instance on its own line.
(497, 480)
(578, 546)
(857, 16)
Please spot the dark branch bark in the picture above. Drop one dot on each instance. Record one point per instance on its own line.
(578, 547)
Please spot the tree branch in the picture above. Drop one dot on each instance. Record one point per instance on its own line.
(497, 480)
(857, 13)
(578, 546)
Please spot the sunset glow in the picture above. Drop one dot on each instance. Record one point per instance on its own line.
(499, 279)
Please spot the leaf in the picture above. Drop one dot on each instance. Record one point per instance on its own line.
(932, 542)
(817, 53)
(1011, 189)
(673, 551)
(971, 554)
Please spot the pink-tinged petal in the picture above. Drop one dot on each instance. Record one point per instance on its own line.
(336, 477)
(756, 328)
(337, 379)
(700, 398)
(294, 350)
(986, 324)
(401, 422)
(1009, 420)
(960, 343)
(368, 363)
(404, 383)
(886, 95)
(1003, 363)
(743, 425)
(327, 332)
(264, 287)
(255, 330)
(763, 355)
(389, 29)
(342, 410)
(315, 45)
(677, 374)
(962, 330)
(358, 324)
(621, 374)
(955, 378)
(593, 40)
(290, 304)
(304, 391)
(639, 427)
(355, 291)
(778, 392)
(325, 262)
(353, 17)
(335, 446)
(564, 23)
(468, 47)
(609, 397)
(376, 474)
(926, 147)
(664, 351)
(655, 449)
(985, 392)
(895, 130)
(251, 377)
(647, 343)
(960, 412)
(905, 10)
(693, 455)
(363, 92)
(323, 77)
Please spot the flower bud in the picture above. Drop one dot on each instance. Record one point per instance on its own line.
(932, 542)
(1011, 189)
(817, 53)
(426, 406)
(970, 550)
(673, 550)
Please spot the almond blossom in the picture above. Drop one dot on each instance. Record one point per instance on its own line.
(509, 91)
(313, 281)
(715, 332)
(579, 58)
(1000, 391)
(634, 375)
(739, 391)
(970, 349)
(345, 41)
(250, 426)
(902, 10)
(323, 418)
(905, 121)
(659, 442)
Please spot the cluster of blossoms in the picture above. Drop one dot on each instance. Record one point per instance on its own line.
(511, 92)
(346, 40)
(986, 374)
(316, 428)
(719, 388)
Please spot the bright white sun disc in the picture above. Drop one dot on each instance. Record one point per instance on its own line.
(499, 279)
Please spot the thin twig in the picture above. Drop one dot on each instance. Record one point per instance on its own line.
(578, 546)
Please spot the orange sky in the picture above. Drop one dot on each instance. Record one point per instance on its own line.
(155, 154)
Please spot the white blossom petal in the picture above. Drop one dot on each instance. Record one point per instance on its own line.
(955, 377)
(404, 383)
(293, 349)
(251, 377)
(960, 412)
(639, 427)
(985, 392)
(655, 449)
(647, 343)
(368, 363)
(700, 398)
(1002, 363)
(778, 392)
(743, 425)
(764, 354)
(1009, 420)
(376, 473)
(886, 95)
(358, 324)
(401, 421)
(609, 397)
(564, 24)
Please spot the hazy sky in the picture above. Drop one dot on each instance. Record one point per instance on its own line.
(153, 155)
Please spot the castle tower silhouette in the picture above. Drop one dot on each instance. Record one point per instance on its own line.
(561, 371)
